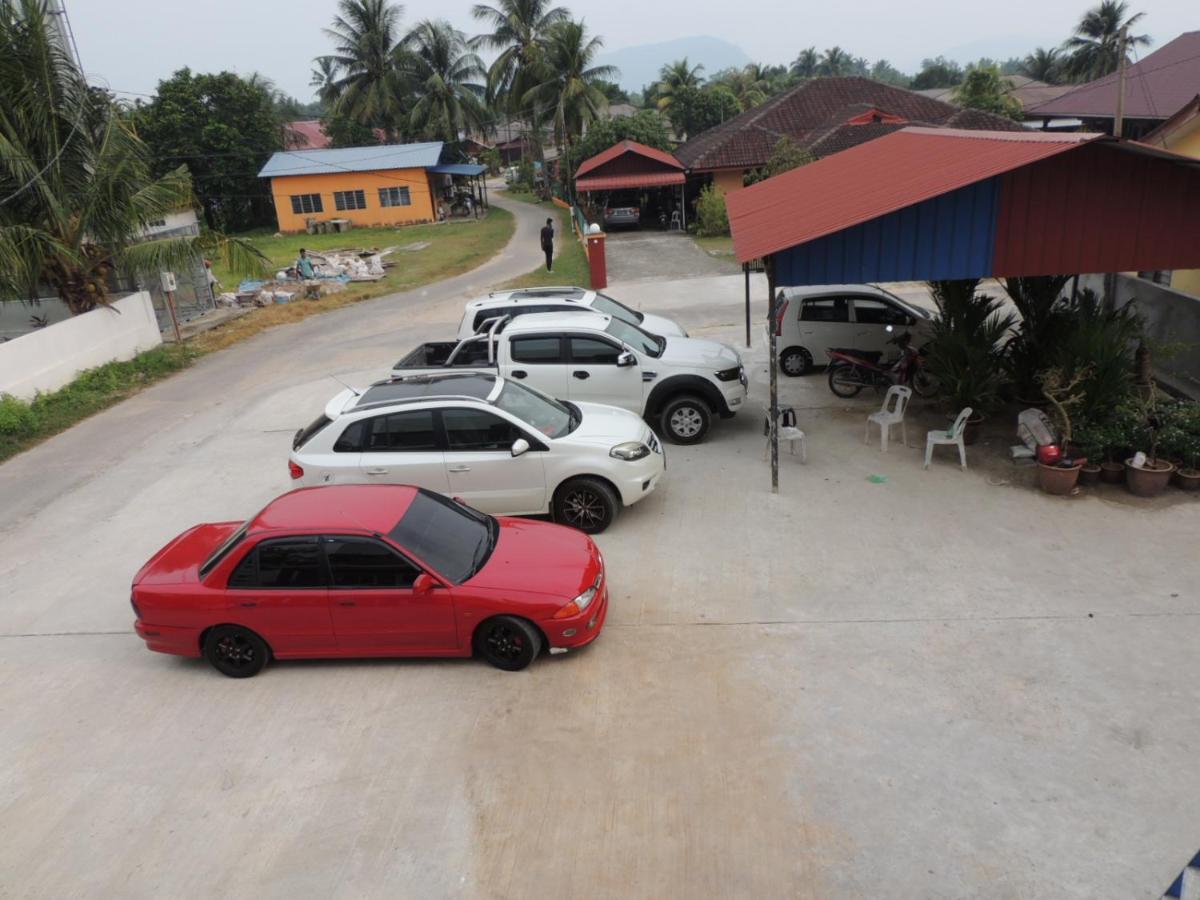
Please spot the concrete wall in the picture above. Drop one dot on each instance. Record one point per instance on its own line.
(49, 358)
(1171, 318)
(422, 208)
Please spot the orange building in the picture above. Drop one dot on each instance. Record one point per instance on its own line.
(383, 185)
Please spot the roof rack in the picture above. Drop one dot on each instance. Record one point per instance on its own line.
(400, 401)
(548, 290)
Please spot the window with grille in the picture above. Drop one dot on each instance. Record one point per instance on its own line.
(394, 196)
(344, 200)
(306, 203)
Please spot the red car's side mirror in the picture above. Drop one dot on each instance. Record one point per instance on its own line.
(423, 584)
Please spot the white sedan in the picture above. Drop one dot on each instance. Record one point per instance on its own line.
(498, 445)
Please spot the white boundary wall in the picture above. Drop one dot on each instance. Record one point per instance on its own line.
(46, 359)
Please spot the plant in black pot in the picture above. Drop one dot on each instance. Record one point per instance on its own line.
(965, 352)
(1146, 475)
(1090, 439)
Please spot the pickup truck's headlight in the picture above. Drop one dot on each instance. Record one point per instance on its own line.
(731, 374)
(583, 601)
(629, 451)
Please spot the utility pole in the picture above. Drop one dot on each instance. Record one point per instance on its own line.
(1119, 118)
(57, 16)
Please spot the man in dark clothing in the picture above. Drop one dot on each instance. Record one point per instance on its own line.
(548, 244)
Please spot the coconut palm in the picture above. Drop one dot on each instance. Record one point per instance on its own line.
(76, 190)
(518, 36)
(748, 84)
(807, 64)
(1094, 49)
(324, 73)
(1043, 65)
(835, 62)
(447, 77)
(676, 77)
(371, 87)
(569, 91)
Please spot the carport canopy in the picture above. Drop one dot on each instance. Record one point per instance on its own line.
(933, 203)
(628, 164)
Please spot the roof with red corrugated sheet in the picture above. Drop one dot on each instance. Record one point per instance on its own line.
(628, 164)
(627, 146)
(877, 178)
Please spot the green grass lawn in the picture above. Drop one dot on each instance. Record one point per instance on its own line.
(454, 247)
(715, 246)
(570, 262)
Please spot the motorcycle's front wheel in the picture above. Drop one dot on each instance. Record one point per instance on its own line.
(845, 381)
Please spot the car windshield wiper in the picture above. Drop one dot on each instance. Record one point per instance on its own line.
(485, 546)
(662, 343)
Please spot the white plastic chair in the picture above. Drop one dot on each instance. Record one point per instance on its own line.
(789, 433)
(953, 436)
(891, 413)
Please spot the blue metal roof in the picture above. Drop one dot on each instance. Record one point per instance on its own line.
(457, 169)
(352, 159)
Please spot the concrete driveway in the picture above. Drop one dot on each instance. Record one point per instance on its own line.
(940, 686)
(642, 254)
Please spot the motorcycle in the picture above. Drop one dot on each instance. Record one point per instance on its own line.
(852, 370)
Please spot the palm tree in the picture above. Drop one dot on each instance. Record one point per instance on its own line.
(836, 62)
(676, 77)
(518, 33)
(807, 64)
(749, 84)
(445, 73)
(569, 92)
(76, 189)
(1043, 65)
(1094, 48)
(324, 73)
(370, 87)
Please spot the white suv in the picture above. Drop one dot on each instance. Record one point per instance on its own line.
(809, 320)
(558, 299)
(500, 446)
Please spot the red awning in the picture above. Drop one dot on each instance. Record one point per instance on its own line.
(617, 182)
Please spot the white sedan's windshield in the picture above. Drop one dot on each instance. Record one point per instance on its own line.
(548, 416)
(610, 307)
(636, 338)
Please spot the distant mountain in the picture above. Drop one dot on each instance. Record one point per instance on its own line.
(640, 65)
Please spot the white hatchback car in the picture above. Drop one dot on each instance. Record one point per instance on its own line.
(808, 320)
(524, 301)
(500, 446)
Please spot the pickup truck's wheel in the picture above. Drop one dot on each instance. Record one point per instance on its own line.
(795, 361)
(685, 419)
(587, 504)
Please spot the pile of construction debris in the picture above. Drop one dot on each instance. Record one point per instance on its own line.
(332, 271)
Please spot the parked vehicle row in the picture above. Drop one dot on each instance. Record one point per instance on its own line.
(391, 546)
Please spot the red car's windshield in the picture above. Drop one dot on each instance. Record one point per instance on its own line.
(454, 539)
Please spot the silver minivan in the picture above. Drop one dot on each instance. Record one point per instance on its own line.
(809, 320)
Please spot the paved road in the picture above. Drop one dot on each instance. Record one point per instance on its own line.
(642, 255)
(940, 686)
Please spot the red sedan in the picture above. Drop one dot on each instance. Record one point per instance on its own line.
(370, 570)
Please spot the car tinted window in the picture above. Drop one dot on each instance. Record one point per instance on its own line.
(825, 309)
(610, 307)
(280, 564)
(536, 350)
(591, 350)
(362, 563)
(351, 440)
(476, 429)
(878, 312)
(410, 432)
(304, 435)
(454, 540)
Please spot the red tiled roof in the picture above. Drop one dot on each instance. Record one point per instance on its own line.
(308, 135)
(623, 147)
(808, 112)
(877, 178)
(1155, 87)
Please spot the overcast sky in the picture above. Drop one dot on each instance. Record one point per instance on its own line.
(131, 44)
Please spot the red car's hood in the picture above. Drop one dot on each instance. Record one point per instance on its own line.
(539, 558)
(180, 560)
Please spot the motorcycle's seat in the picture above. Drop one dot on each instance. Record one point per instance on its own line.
(872, 356)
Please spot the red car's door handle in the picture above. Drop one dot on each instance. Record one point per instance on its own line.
(345, 603)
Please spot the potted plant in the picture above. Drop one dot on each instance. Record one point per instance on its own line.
(1185, 439)
(1188, 475)
(1090, 439)
(1062, 393)
(1146, 475)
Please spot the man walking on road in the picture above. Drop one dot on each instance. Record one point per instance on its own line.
(548, 244)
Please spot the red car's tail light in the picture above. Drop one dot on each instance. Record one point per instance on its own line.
(295, 470)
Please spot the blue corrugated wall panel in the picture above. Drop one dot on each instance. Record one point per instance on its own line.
(951, 236)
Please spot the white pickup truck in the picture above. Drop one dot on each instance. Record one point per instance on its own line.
(677, 384)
